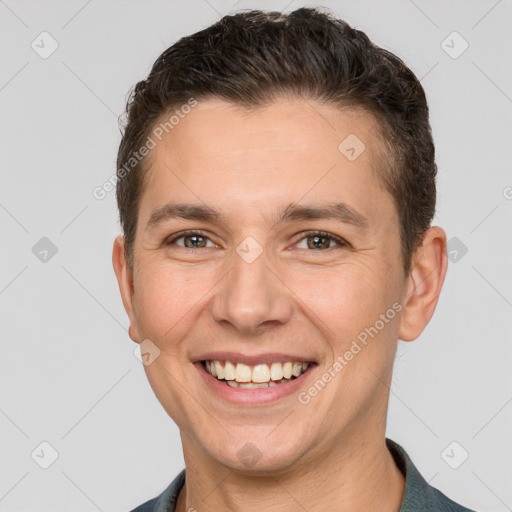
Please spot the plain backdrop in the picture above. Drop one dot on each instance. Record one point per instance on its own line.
(68, 374)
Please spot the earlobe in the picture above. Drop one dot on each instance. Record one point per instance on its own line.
(125, 281)
(424, 284)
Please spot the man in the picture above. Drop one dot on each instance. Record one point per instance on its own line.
(276, 186)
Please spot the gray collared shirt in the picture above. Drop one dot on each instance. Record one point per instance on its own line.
(419, 496)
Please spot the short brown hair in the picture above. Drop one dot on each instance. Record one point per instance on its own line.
(253, 57)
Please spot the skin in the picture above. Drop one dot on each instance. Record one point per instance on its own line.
(329, 454)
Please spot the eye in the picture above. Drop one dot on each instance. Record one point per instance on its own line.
(191, 240)
(320, 240)
(316, 240)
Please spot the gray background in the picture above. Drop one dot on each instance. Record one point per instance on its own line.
(67, 371)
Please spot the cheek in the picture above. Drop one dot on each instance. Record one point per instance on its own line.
(165, 300)
(346, 300)
(341, 301)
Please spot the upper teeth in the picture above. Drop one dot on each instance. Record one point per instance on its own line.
(258, 373)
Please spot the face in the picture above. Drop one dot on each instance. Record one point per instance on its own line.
(262, 242)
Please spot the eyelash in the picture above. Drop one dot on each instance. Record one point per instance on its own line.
(306, 234)
(324, 234)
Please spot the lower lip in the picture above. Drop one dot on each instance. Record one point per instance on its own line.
(256, 396)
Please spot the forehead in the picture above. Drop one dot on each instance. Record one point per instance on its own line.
(268, 156)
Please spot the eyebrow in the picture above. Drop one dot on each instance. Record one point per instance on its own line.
(339, 211)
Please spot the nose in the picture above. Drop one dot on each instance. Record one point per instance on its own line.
(252, 297)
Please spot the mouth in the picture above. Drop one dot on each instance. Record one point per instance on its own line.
(257, 376)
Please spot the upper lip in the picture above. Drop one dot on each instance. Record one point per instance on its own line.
(253, 359)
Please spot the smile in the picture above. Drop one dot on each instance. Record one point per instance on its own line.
(239, 375)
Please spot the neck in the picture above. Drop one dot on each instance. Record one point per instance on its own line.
(359, 476)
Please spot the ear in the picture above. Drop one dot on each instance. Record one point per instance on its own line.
(424, 283)
(125, 281)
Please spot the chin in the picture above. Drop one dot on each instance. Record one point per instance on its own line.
(261, 452)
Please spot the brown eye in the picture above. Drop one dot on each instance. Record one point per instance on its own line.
(318, 240)
(194, 241)
(191, 240)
